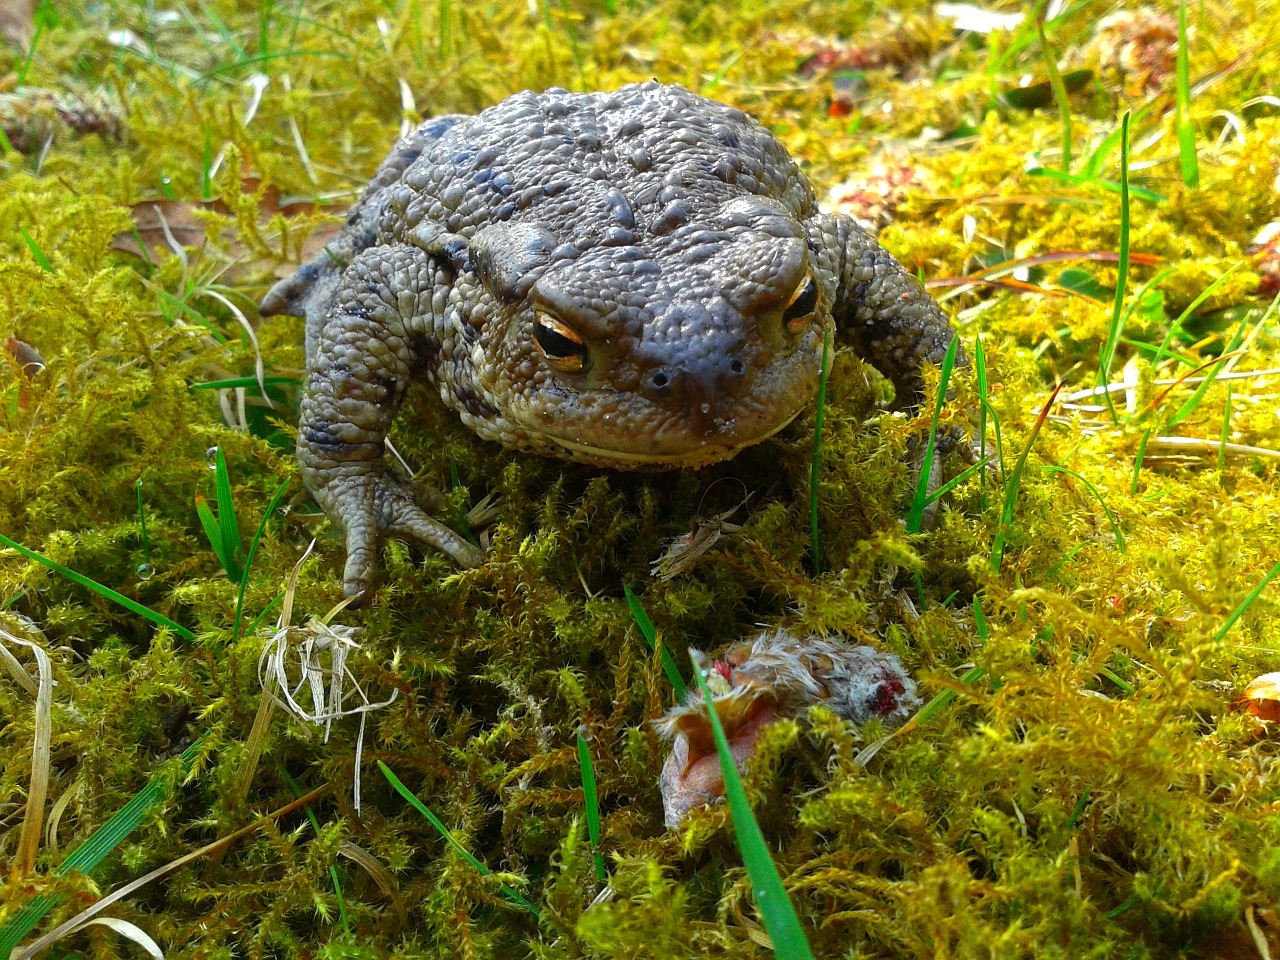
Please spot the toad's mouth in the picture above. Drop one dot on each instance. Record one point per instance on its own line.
(708, 451)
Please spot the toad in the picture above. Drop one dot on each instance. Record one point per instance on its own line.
(638, 280)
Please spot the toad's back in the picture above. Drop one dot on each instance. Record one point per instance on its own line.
(597, 165)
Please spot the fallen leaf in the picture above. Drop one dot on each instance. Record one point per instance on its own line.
(1261, 698)
(164, 227)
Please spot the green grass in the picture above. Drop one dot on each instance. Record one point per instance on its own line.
(1013, 482)
(772, 902)
(915, 515)
(1188, 161)
(103, 591)
(97, 847)
(651, 638)
(1108, 349)
(591, 804)
(222, 531)
(248, 562)
(1059, 91)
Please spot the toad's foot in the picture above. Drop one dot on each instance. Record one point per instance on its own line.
(370, 508)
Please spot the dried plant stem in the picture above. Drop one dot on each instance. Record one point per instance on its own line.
(38, 788)
(86, 915)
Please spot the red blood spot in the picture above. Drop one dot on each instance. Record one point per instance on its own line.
(722, 668)
(887, 695)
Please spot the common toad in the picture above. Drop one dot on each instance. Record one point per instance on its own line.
(638, 279)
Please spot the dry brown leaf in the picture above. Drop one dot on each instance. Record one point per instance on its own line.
(163, 227)
(1261, 698)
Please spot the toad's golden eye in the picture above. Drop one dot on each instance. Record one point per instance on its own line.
(561, 345)
(802, 305)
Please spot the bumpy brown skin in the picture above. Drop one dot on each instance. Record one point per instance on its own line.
(668, 232)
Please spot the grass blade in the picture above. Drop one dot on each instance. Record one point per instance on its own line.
(651, 637)
(1234, 344)
(36, 252)
(1014, 481)
(1247, 602)
(591, 801)
(444, 831)
(1059, 91)
(1108, 352)
(100, 590)
(1137, 461)
(92, 852)
(1111, 518)
(232, 382)
(253, 549)
(212, 532)
(779, 917)
(1191, 308)
(980, 371)
(1186, 132)
(227, 526)
(915, 516)
(816, 462)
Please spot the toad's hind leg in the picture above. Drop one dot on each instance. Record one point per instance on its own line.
(308, 291)
(364, 357)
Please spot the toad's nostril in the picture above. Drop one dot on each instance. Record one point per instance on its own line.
(659, 380)
(737, 367)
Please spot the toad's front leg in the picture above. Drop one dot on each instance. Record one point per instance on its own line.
(357, 375)
(883, 311)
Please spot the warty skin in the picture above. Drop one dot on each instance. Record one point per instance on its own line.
(638, 280)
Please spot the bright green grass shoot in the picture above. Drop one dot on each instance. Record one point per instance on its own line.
(1108, 350)
(651, 638)
(100, 589)
(1224, 435)
(42, 16)
(591, 801)
(36, 252)
(1137, 461)
(1111, 517)
(444, 832)
(915, 516)
(1014, 481)
(246, 382)
(1174, 328)
(445, 16)
(87, 856)
(1237, 338)
(969, 678)
(980, 372)
(815, 464)
(1079, 180)
(789, 942)
(222, 531)
(333, 869)
(1246, 603)
(1059, 92)
(1188, 160)
(253, 549)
